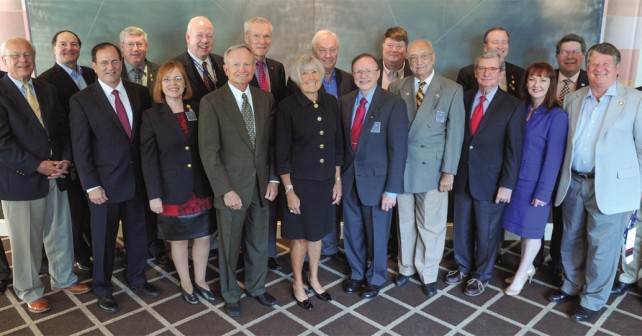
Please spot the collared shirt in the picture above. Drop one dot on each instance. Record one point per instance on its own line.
(122, 93)
(589, 125)
(489, 98)
(199, 66)
(22, 88)
(427, 80)
(238, 97)
(560, 82)
(131, 73)
(265, 71)
(384, 81)
(75, 74)
(331, 86)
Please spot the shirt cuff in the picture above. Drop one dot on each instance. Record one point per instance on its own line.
(392, 195)
(92, 189)
(275, 181)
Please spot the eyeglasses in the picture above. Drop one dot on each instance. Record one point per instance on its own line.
(15, 56)
(395, 46)
(489, 69)
(423, 57)
(106, 63)
(168, 79)
(132, 44)
(575, 52)
(367, 72)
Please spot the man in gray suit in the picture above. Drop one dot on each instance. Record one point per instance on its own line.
(599, 182)
(235, 139)
(436, 114)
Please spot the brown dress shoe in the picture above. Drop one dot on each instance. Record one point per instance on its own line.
(78, 288)
(39, 306)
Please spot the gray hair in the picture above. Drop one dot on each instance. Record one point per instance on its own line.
(232, 48)
(133, 31)
(491, 54)
(300, 63)
(320, 34)
(257, 19)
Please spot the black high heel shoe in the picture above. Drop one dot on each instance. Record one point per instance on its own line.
(325, 296)
(204, 293)
(189, 298)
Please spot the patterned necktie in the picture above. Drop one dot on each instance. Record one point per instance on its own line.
(33, 102)
(248, 119)
(478, 113)
(392, 76)
(420, 94)
(206, 78)
(263, 83)
(138, 75)
(565, 90)
(122, 114)
(357, 124)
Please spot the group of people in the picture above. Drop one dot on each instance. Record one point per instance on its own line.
(207, 148)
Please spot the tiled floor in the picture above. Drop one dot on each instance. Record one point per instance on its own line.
(396, 311)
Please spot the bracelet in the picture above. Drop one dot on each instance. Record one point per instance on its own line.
(288, 188)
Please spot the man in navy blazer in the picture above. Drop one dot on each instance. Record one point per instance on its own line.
(5, 271)
(375, 159)
(68, 77)
(34, 160)
(105, 122)
(488, 171)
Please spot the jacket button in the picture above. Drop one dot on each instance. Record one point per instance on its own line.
(321, 146)
(322, 160)
(471, 147)
(189, 165)
(321, 133)
(186, 147)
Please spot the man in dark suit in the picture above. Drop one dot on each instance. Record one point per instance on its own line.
(269, 75)
(34, 142)
(488, 171)
(105, 121)
(570, 50)
(375, 124)
(204, 69)
(325, 48)
(5, 271)
(393, 65)
(138, 69)
(235, 140)
(497, 39)
(68, 78)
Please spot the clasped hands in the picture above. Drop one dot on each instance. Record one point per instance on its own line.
(54, 169)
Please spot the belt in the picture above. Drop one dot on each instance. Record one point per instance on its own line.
(586, 176)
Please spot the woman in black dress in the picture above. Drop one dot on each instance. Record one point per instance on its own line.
(177, 186)
(309, 156)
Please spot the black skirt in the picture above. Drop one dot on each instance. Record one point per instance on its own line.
(184, 227)
(317, 212)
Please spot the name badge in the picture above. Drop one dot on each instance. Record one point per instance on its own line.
(441, 117)
(376, 127)
(190, 115)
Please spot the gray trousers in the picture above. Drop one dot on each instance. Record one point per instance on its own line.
(632, 270)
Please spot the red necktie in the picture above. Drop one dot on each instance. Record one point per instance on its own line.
(358, 123)
(478, 113)
(206, 78)
(122, 114)
(263, 84)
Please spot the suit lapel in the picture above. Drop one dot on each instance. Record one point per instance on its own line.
(347, 108)
(469, 97)
(616, 106)
(105, 106)
(45, 107)
(371, 116)
(430, 102)
(134, 102)
(21, 102)
(488, 113)
(168, 117)
(574, 109)
(235, 115)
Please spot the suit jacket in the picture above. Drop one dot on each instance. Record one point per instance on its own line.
(582, 79)
(514, 74)
(436, 132)
(491, 158)
(406, 70)
(2, 73)
(345, 83)
(276, 71)
(195, 80)
(618, 150)
(152, 71)
(65, 85)
(229, 159)
(104, 155)
(25, 143)
(171, 163)
(378, 164)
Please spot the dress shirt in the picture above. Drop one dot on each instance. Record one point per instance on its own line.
(331, 86)
(427, 80)
(22, 88)
(590, 122)
(560, 82)
(131, 73)
(76, 75)
(265, 71)
(123, 97)
(489, 98)
(384, 81)
(199, 66)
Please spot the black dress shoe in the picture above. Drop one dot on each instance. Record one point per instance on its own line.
(430, 289)
(273, 264)
(559, 296)
(190, 298)
(558, 278)
(108, 304)
(204, 293)
(84, 266)
(305, 304)
(233, 309)
(401, 279)
(619, 288)
(3, 286)
(325, 296)
(265, 299)
(370, 291)
(146, 289)
(582, 314)
(351, 286)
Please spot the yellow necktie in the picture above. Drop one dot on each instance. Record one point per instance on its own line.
(33, 102)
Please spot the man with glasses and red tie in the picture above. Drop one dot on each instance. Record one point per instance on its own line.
(488, 171)
(375, 124)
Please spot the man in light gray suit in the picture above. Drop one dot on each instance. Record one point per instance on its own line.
(599, 182)
(436, 114)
